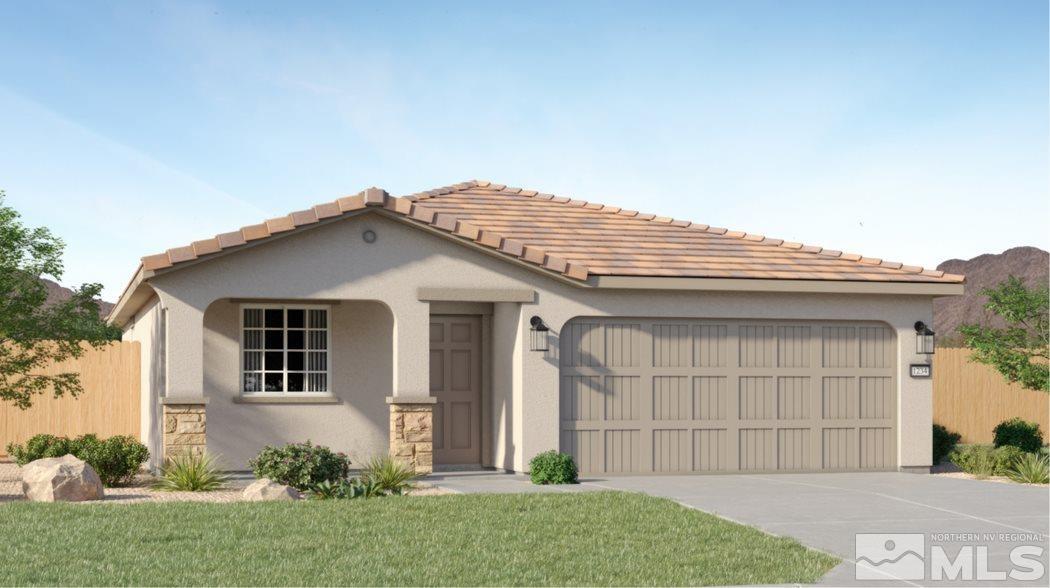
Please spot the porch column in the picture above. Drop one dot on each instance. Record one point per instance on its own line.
(185, 426)
(412, 431)
(183, 404)
(411, 348)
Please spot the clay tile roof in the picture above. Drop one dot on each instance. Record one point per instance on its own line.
(578, 239)
(591, 239)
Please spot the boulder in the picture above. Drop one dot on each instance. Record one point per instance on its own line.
(267, 489)
(60, 479)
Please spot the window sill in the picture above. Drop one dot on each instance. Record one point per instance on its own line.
(288, 399)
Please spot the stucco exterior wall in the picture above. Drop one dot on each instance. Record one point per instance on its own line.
(147, 327)
(333, 262)
(361, 378)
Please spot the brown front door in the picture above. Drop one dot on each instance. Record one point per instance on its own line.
(455, 379)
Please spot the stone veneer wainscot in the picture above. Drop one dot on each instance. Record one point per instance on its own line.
(185, 426)
(412, 432)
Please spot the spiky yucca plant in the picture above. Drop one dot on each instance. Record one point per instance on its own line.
(191, 472)
(390, 475)
(1031, 468)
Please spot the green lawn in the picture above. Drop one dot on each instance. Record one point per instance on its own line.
(590, 538)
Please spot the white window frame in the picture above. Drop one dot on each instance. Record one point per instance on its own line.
(284, 349)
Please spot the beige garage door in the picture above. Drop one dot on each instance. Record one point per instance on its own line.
(699, 396)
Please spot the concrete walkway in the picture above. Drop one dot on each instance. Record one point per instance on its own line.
(827, 511)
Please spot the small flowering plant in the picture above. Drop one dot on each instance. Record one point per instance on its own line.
(300, 465)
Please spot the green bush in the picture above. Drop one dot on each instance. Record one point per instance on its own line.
(116, 460)
(300, 465)
(1019, 433)
(552, 467)
(390, 475)
(983, 460)
(39, 447)
(944, 442)
(191, 472)
(1031, 468)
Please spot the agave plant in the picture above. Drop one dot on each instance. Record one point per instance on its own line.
(389, 475)
(191, 472)
(365, 489)
(327, 490)
(345, 489)
(1031, 468)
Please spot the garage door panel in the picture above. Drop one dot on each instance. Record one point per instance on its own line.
(672, 398)
(757, 398)
(622, 398)
(581, 398)
(876, 347)
(839, 347)
(583, 344)
(839, 398)
(709, 397)
(757, 450)
(642, 395)
(793, 449)
(672, 451)
(876, 397)
(710, 344)
(757, 346)
(710, 450)
(622, 450)
(793, 397)
(876, 445)
(622, 345)
(839, 449)
(793, 346)
(672, 345)
(585, 447)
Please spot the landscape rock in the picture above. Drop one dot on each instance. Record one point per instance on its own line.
(60, 479)
(267, 489)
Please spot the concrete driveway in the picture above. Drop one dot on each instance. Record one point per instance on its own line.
(827, 511)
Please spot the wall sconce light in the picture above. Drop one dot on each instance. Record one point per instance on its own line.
(923, 339)
(538, 335)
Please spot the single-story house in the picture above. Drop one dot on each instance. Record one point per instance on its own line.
(478, 325)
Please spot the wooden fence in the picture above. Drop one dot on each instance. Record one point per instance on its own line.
(108, 406)
(971, 398)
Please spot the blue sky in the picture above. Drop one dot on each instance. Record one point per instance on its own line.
(912, 131)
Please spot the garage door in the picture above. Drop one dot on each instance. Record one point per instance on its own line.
(683, 396)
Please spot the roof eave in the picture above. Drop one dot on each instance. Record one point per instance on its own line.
(778, 285)
(134, 296)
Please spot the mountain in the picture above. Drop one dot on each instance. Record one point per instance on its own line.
(1031, 264)
(57, 292)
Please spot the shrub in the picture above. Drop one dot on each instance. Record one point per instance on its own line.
(944, 442)
(300, 465)
(983, 461)
(1031, 468)
(552, 467)
(390, 475)
(1019, 433)
(116, 460)
(191, 472)
(39, 447)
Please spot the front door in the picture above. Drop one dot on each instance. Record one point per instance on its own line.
(455, 379)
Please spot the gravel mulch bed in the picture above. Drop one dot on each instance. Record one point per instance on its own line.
(140, 490)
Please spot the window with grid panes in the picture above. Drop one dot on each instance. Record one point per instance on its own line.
(284, 349)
